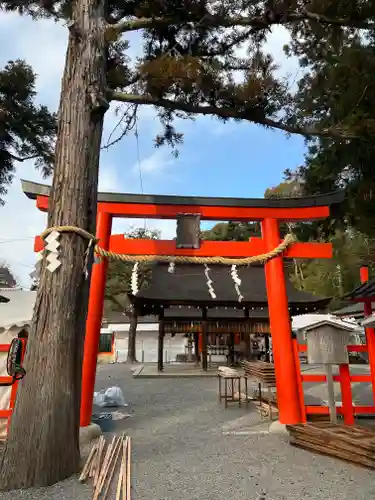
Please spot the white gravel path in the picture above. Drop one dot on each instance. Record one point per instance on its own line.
(180, 452)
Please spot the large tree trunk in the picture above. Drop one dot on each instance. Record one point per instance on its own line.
(132, 352)
(43, 445)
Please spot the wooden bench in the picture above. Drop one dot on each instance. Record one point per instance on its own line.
(232, 387)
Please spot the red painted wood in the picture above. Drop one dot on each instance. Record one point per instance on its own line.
(324, 410)
(299, 382)
(337, 378)
(283, 355)
(370, 334)
(6, 380)
(313, 378)
(346, 394)
(361, 378)
(256, 246)
(94, 320)
(364, 274)
(5, 413)
(357, 348)
(351, 348)
(152, 211)
(4, 347)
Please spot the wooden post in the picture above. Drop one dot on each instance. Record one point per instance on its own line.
(331, 395)
(204, 340)
(94, 319)
(370, 333)
(196, 347)
(161, 342)
(285, 370)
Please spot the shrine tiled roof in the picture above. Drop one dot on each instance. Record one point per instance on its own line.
(188, 286)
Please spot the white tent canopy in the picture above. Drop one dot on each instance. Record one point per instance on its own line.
(19, 310)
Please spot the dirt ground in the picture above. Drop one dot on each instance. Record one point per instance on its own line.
(182, 450)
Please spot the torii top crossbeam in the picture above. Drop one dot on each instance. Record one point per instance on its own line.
(209, 208)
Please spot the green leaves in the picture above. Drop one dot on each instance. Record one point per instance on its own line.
(27, 131)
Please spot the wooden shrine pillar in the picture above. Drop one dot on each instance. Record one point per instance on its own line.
(247, 336)
(204, 340)
(94, 319)
(370, 333)
(285, 368)
(196, 347)
(161, 342)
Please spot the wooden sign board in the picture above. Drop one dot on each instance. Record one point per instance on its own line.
(188, 231)
(327, 344)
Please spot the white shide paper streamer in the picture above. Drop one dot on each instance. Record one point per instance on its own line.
(237, 282)
(134, 281)
(211, 291)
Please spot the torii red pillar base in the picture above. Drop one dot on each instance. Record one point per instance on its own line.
(94, 319)
(285, 369)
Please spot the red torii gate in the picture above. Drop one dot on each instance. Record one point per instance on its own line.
(270, 212)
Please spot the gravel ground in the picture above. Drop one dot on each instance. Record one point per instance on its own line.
(180, 452)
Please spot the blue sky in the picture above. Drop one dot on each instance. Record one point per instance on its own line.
(215, 159)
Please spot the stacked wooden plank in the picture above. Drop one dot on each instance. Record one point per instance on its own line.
(261, 370)
(351, 443)
(104, 462)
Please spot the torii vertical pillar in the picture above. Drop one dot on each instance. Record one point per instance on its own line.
(94, 319)
(285, 369)
(370, 332)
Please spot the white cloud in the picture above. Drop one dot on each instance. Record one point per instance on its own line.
(156, 163)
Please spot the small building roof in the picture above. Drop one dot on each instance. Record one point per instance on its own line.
(308, 321)
(363, 292)
(188, 286)
(350, 311)
(18, 311)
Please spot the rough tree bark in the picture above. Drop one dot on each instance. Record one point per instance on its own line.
(132, 352)
(43, 445)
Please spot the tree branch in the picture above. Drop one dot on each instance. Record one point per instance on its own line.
(18, 158)
(229, 113)
(256, 22)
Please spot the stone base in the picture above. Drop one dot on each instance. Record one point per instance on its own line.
(89, 433)
(278, 428)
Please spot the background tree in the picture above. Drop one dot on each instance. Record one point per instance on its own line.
(190, 66)
(339, 88)
(27, 131)
(339, 275)
(231, 231)
(118, 286)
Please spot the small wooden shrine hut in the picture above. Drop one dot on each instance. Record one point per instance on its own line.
(216, 304)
